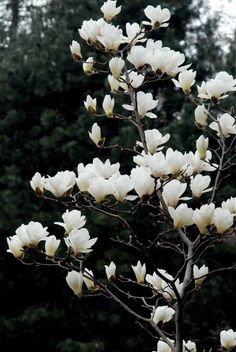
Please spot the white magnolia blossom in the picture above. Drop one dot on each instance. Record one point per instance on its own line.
(185, 80)
(218, 87)
(157, 16)
(154, 140)
(230, 204)
(79, 241)
(167, 289)
(99, 188)
(175, 161)
(88, 65)
(110, 37)
(91, 105)
(163, 346)
(156, 163)
(199, 274)
(96, 135)
(202, 144)
(224, 126)
(134, 33)
(116, 65)
(197, 165)
(32, 233)
(190, 346)
(203, 217)
(37, 183)
(199, 184)
(228, 339)
(163, 314)
(108, 105)
(110, 10)
(88, 279)
(51, 245)
(145, 103)
(134, 79)
(155, 280)
(75, 281)
(172, 192)
(222, 220)
(139, 271)
(110, 271)
(75, 50)
(143, 183)
(91, 29)
(114, 83)
(182, 215)
(137, 56)
(121, 185)
(106, 169)
(15, 246)
(200, 114)
(73, 220)
(61, 183)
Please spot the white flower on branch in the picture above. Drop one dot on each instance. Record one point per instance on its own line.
(139, 271)
(155, 280)
(88, 279)
(154, 140)
(32, 233)
(88, 66)
(203, 217)
(75, 281)
(116, 65)
(200, 114)
(230, 204)
(199, 274)
(96, 135)
(37, 184)
(145, 103)
(108, 105)
(199, 184)
(79, 241)
(134, 79)
(110, 10)
(175, 161)
(224, 126)
(110, 37)
(228, 339)
(202, 144)
(144, 184)
(121, 185)
(137, 56)
(182, 215)
(197, 165)
(163, 346)
(90, 105)
(134, 33)
(185, 80)
(190, 346)
(110, 271)
(157, 16)
(222, 220)
(51, 245)
(73, 220)
(114, 84)
(15, 246)
(172, 191)
(91, 29)
(75, 50)
(163, 314)
(99, 188)
(156, 163)
(167, 289)
(60, 184)
(105, 170)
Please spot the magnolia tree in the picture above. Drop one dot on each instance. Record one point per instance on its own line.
(178, 190)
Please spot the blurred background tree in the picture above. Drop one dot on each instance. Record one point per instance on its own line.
(43, 127)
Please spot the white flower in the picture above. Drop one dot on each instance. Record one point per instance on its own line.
(186, 80)
(110, 271)
(116, 65)
(91, 105)
(137, 56)
(114, 83)
(202, 146)
(32, 233)
(88, 65)
(105, 170)
(88, 279)
(162, 313)
(200, 116)
(75, 281)
(172, 192)
(15, 246)
(199, 184)
(155, 280)
(61, 183)
(91, 29)
(134, 33)
(144, 184)
(79, 241)
(51, 245)
(121, 185)
(163, 347)
(230, 204)
(167, 289)
(182, 215)
(154, 140)
(75, 50)
(99, 188)
(145, 102)
(228, 339)
(222, 220)
(108, 105)
(95, 135)
(176, 161)
(157, 16)
(190, 346)
(37, 183)
(73, 220)
(139, 271)
(156, 163)
(199, 274)
(110, 37)
(203, 217)
(110, 10)
(224, 126)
